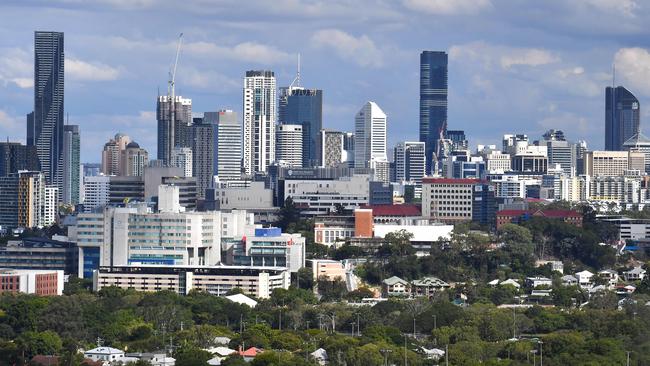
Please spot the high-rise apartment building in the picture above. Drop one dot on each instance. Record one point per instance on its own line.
(288, 145)
(300, 106)
(433, 101)
(96, 192)
(37, 202)
(622, 117)
(560, 151)
(612, 163)
(133, 160)
(182, 158)
(370, 140)
(639, 143)
(202, 142)
(15, 157)
(71, 165)
(112, 154)
(174, 118)
(259, 102)
(331, 148)
(45, 125)
(227, 154)
(410, 162)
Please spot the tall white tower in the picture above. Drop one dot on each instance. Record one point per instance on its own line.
(259, 120)
(288, 144)
(370, 140)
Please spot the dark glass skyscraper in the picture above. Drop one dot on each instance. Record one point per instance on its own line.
(433, 100)
(45, 126)
(622, 117)
(300, 106)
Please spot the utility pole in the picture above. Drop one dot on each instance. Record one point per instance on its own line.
(447, 355)
(413, 327)
(628, 358)
(541, 353)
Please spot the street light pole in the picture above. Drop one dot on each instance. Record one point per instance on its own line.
(541, 353)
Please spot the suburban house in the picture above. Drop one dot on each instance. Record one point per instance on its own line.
(538, 281)
(585, 279)
(428, 286)
(610, 275)
(635, 274)
(569, 280)
(395, 286)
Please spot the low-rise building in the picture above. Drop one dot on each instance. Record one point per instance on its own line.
(610, 276)
(268, 247)
(538, 281)
(320, 197)
(326, 268)
(217, 280)
(585, 279)
(519, 216)
(428, 286)
(40, 254)
(635, 274)
(106, 354)
(37, 282)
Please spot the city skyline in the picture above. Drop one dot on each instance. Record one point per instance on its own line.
(562, 69)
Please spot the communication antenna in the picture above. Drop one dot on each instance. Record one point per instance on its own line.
(296, 80)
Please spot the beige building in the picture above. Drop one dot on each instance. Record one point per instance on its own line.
(329, 269)
(134, 159)
(613, 163)
(112, 154)
(447, 200)
(217, 280)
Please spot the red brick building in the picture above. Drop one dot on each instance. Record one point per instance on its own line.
(37, 282)
(518, 216)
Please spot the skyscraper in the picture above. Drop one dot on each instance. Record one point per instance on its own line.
(45, 126)
(172, 133)
(182, 158)
(133, 160)
(288, 145)
(201, 136)
(370, 140)
(259, 120)
(410, 163)
(112, 154)
(227, 161)
(433, 101)
(622, 117)
(300, 106)
(71, 154)
(331, 146)
(560, 151)
(15, 157)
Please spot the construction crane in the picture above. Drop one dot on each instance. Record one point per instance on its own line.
(171, 99)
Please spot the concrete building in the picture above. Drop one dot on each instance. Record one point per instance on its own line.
(133, 236)
(201, 140)
(288, 145)
(133, 160)
(71, 165)
(174, 115)
(370, 140)
(533, 160)
(409, 161)
(612, 163)
(327, 268)
(497, 162)
(304, 107)
(331, 148)
(456, 200)
(112, 154)
(219, 280)
(37, 202)
(227, 161)
(15, 157)
(182, 158)
(639, 143)
(9, 201)
(40, 254)
(122, 190)
(260, 111)
(251, 197)
(267, 247)
(319, 197)
(36, 282)
(96, 192)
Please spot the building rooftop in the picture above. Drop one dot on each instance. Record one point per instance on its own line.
(450, 181)
(544, 213)
(394, 210)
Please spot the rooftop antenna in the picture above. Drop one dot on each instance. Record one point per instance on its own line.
(296, 80)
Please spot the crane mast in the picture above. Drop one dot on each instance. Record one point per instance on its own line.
(171, 99)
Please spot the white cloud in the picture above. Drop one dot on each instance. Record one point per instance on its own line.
(633, 66)
(16, 68)
(448, 7)
(360, 50)
(528, 57)
(79, 70)
(8, 122)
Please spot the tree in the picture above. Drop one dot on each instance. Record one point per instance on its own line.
(288, 214)
(190, 356)
(399, 243)
(39, 343)
(512, 234)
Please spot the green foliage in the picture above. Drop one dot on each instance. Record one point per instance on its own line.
(191, 356)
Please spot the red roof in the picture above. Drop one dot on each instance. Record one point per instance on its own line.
(450, 181)
(546, 213)
(251, 352)
(394, 210)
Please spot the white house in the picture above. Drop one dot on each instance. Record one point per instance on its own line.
(538, 281)
(320, 355)
(635, 274)
(395, 286)
(569, 280)
(242, 299)
(610, 275)
(510, 282)
(585, 279)
(105, 354)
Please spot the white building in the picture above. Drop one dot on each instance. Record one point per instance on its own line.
(50, 206)
(96, 192)
(228, 145)
(288, 144)
(251, 196)
(182, 158)
(410, 161)
(370, 140)
(319, 197)
(259, 120)
(107, 354)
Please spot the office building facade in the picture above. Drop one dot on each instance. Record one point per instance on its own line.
(71, 164)
(433, 101)
(622, 117)
(410, 161)
(173, 117)
(370, 140)
(300, 106)
(202, 143)
(112, 154)
(182, 158)
(227, 161)
(15, 157)
(289, 144)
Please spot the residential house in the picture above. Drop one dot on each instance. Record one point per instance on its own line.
(610, 276)
(569, 280)
(538, 281)
(427, 286)
(320, 356)
(510, 282)
(395, 286)
(108, 354)
(635, 274)
(250, 353)
(585, 279)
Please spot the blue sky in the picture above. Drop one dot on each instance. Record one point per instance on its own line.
(515, 65)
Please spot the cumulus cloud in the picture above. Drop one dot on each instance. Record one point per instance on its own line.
(79, 70)
(490, 55)
(246, 51)
(448, 7)
(16, 68)
(528, 57)
(360, 50)
(633, 66)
